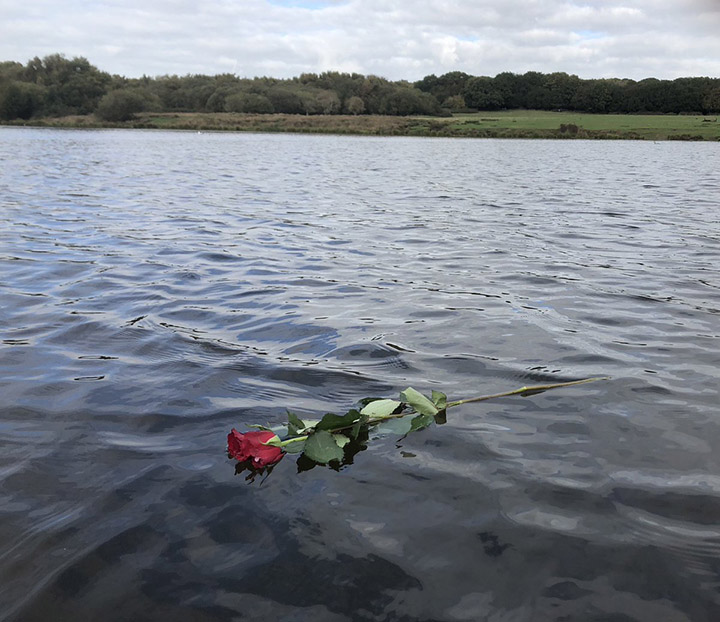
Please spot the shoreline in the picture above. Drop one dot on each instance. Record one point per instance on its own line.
(499, 124)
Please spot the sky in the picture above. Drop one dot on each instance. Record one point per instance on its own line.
(391, 38)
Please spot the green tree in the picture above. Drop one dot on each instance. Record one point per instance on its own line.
(481, 93)
(373, 91)
(20, 100)
(248, 102)
(354, 105)
(329, 101)
(593, 96)
(510, 87)
(216, 101)
(72, 86)
(286, 100)
(443, 87)
(711, 101)
(403, 101)
(560, 88)
(121, 105)
(455, 102)
(10, 70)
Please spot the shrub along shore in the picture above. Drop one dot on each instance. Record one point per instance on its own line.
(496, 124)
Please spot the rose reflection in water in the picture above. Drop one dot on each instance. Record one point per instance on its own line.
(258, 459)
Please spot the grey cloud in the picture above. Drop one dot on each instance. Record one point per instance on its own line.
(394, 38)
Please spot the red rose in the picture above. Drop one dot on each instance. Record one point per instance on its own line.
(250, 447)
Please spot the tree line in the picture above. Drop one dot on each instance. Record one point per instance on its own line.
(58, 86)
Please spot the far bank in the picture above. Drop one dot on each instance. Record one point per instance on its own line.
(497, 124)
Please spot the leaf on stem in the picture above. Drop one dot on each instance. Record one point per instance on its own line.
(295, 448)
(418, 402)
(421, 422)
(400, 426)
(380, 408)
(295, 424)
(439, 399)
(322, 448)
(331, 421)
(358, 426)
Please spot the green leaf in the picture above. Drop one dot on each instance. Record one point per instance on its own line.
(366, 400)
(295, 448)
(439, 399)
(421, 422)
(274, 441)
(398, 427)
(341, 440)
(380, 408)
(295, 424)
(355, 431)
(331, 421)
(322, 448)
(418, 402)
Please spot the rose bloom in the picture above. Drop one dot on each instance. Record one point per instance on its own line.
(249, 447)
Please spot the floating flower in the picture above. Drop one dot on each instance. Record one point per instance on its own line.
(335, 439)
(251, 447)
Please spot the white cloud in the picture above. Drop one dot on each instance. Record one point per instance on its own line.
(393, 38)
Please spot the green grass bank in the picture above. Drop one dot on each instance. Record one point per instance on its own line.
(499, 124)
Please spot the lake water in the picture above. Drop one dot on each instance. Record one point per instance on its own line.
(160, 288)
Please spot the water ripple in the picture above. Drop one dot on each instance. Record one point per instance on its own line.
(160, 288)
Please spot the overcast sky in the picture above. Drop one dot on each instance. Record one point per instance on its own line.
(396, 39)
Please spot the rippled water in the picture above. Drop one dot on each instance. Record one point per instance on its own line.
(159, 288)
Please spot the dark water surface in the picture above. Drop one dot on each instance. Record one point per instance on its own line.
(159, 288)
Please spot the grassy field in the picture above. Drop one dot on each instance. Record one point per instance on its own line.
(648, 127)
(499, 124)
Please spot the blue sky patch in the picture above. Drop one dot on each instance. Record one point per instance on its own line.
(590, 34)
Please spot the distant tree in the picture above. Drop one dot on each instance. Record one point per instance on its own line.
(560, 88)
(481, 93)
(10, 70)
(593, 96)
(647, 95)
(687, 94)
(20, 100)
(72, 86)
(284, 99)
(216, 101)
(187, 93)
(344, 85)
(329, 102)
(309, 99)
(373, 91)
(428, 84)
(530, 90)
(309, 79)
(121, 105)
(510, 86)
(225, 84)
(443, 87)
(455, 102)
(248, 102)
(711, 102)
(354, 105)
(405, 101)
